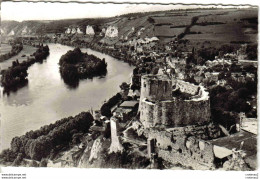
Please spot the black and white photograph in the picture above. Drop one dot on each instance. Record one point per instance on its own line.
(149, 86)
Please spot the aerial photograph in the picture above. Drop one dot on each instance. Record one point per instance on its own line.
(129, 86)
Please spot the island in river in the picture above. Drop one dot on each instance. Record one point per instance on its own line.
(16, 75)
(75, 65)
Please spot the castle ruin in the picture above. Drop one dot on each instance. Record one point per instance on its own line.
(177, 128)
(159, 108)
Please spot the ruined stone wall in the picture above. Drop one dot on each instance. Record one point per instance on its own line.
(116, 145)
(156, 87)
(146, 113)
(186, 87)
(158, 108)
(187, 151)
(174, 113)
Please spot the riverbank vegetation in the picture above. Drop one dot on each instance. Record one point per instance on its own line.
(16, 75)
(15, 49)
(75, 65)
(106, 107)
(47, 141)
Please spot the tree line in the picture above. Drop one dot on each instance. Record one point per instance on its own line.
(16, 75)
(42, 143)
(75, 65)
(16, 48)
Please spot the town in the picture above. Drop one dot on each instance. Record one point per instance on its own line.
(188, 105)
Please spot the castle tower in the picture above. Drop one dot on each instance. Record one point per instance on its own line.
(158, 108)
(116, 145)
(156, 88)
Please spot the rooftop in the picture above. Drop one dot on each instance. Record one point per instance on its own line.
(235, 140)
(129, 104)
(156, 77)
(250, 125)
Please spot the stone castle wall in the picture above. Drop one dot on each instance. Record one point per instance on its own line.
(174, 113)
(159, 109)
(115, 140)
(156, 87)
(187, 87)
(187, 151)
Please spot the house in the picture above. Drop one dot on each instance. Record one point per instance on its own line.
(243, 140)
(198, 79)
(129, 104)
(221, 82)
(125, 109)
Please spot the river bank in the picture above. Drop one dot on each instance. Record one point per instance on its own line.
(46, 85)
(16, 76)
(15, 50)
(75, 65)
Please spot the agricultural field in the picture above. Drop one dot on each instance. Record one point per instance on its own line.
(219, 26)
(235, 26)
(26, 52)
(167, 31)
(173, 20)
(5, 48)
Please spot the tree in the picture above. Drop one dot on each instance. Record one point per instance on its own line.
(76, 138)
(124, 86)
(7, 155)
(105, 111)
(18, 160)
(43, 162)
(243, 93)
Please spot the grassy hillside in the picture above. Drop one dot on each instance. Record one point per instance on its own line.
(196, 25)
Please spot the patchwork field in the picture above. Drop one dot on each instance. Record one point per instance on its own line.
(5, 48)
(27, 51)
(167, 31)
(219, 26)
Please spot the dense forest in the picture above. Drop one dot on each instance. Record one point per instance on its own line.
(105, 108)
(75, 65)
(48, 140)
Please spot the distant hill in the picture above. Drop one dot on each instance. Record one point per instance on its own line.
(195, 25)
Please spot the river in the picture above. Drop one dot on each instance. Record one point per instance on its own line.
(47, 98)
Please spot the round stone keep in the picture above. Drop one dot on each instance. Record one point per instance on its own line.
(156, 87)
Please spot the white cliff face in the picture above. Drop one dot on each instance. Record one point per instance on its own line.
(24, 31)
(79, 31)
(140, 31)
(129, 33)
(68, 31)
(96, 148)
(73, 31)
(111, 32)
(2, 31)
(11, 33)
(90, 30)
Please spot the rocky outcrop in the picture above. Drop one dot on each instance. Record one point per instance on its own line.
(236, 162)
(79, 31)
(95, 150)
(111, 32)
(89, 30)
(68, 31)
(11, 33)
